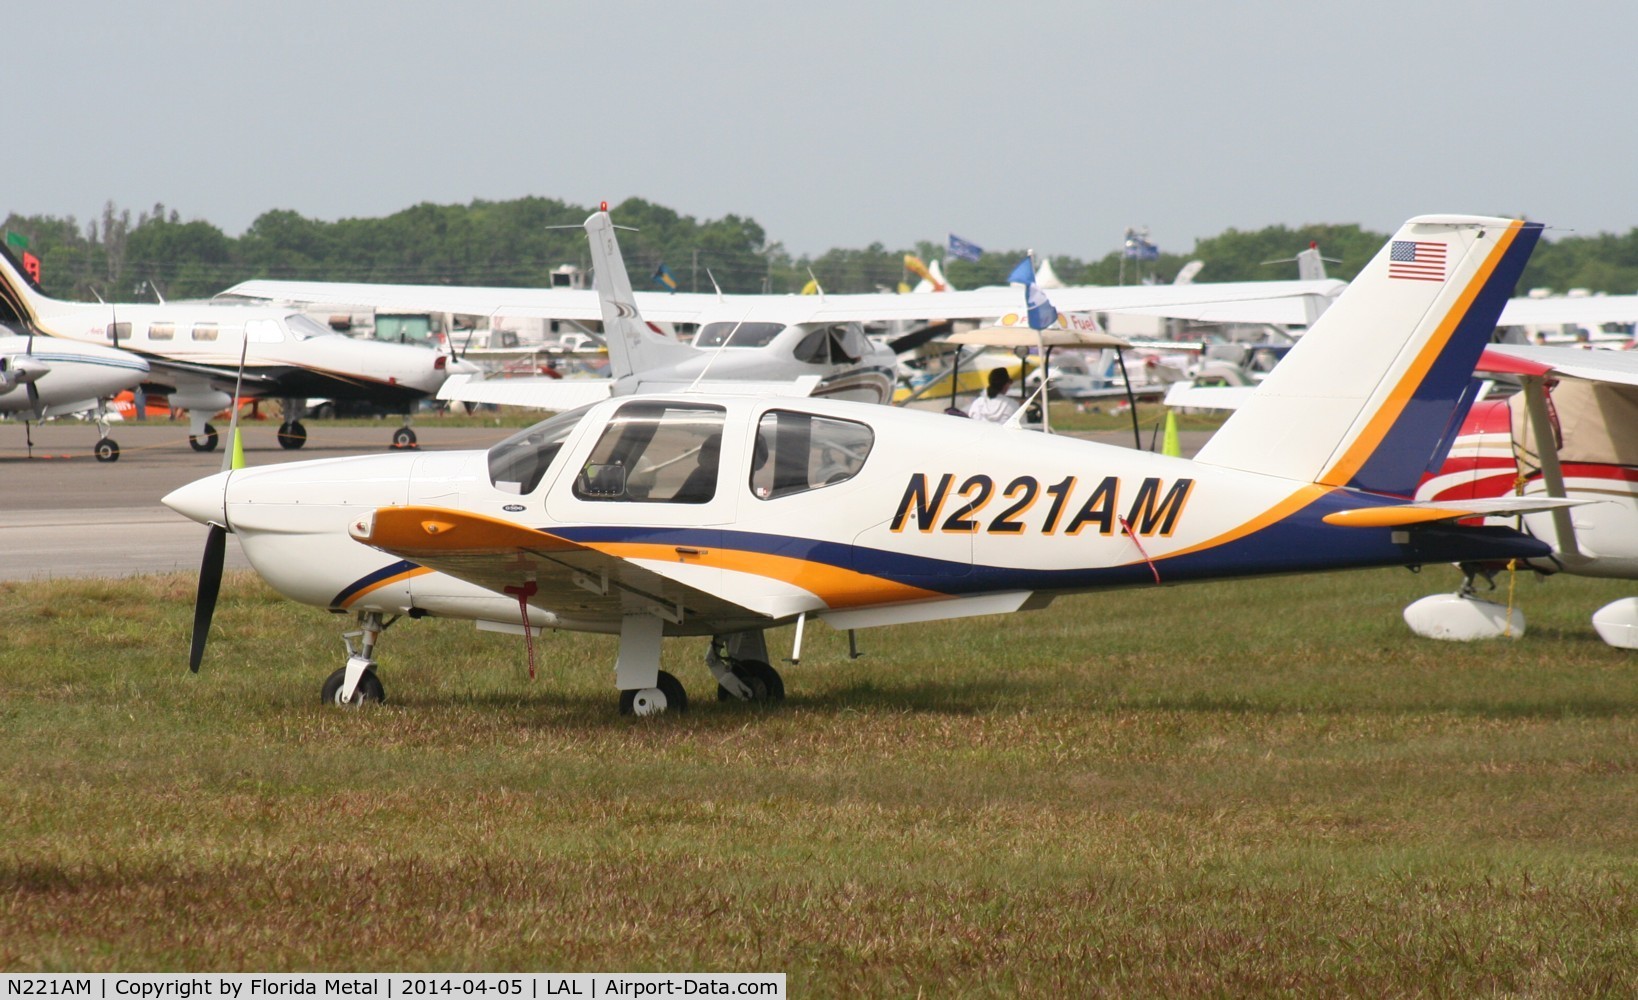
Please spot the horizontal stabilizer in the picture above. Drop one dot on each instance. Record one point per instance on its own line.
(1427, 511)
(1208, 397)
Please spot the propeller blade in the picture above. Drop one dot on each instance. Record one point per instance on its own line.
(34, 400)
(210, 583)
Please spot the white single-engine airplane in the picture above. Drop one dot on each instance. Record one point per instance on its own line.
(41, 377)
(792, 344)
(723, 516)
(194, 353)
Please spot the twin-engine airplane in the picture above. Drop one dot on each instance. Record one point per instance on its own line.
(722, 516)
(42, 377)
(194, 353)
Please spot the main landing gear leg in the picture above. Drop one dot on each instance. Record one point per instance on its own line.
(106, 448)
(739, 662)
(357, 683)
(645, 689)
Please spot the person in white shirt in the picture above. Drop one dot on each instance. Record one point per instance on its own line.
(995, 405)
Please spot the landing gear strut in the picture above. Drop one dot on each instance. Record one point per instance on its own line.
(357, 683)
(739, 662)
(106, 449)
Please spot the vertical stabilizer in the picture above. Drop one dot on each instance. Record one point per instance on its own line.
(1372, 394)
(634, 346)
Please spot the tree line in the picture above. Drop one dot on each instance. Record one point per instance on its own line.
(520, 242)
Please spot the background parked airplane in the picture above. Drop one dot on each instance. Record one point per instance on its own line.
(43, 377)
(811, 343)
(1572, 432)
(696, 514)
(194, 353)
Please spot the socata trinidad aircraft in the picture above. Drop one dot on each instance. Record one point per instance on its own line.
(194, 350)
(42, 377)
(801, 344)
(722, 516)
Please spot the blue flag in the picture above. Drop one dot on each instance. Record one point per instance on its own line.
(963, 249)
(664, 278)
(1041, 311)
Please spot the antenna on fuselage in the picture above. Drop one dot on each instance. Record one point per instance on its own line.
(718, 352)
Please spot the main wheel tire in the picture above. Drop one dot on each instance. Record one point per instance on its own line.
(763, 680)
(666, 696)
(206, 441)
(292, 435)
(106, 450)
(370, 690)
(403, 437)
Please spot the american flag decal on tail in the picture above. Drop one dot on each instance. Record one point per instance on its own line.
(1416, 260)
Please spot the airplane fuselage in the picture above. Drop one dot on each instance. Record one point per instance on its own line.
(912, 509)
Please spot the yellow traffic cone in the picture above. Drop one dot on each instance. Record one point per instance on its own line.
(1169, 444)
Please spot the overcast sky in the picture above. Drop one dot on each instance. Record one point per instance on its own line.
(1052, 125)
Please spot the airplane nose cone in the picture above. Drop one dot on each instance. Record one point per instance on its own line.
(203, 500)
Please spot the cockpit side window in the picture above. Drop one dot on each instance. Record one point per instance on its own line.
(799, 452)
(655, 452)
(518, 464)
(737, 334)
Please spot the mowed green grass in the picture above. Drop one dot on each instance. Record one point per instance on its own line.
(1246, 788)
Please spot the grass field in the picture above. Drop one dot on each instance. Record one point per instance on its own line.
(1238, 789)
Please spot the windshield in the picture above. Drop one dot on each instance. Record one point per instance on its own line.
(518, 464)
(303, 326)
(737, 334)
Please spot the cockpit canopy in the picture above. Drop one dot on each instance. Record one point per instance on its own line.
(671, 451)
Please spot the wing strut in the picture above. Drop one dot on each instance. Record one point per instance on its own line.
(1552, 473)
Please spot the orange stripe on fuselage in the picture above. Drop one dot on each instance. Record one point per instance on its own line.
(389, 581)
(1279, 512)
(837, 587)
(1389, 412)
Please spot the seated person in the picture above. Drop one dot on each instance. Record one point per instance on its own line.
(995, 405)
(701, 484)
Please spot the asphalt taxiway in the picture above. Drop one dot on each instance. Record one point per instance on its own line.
(64, 514)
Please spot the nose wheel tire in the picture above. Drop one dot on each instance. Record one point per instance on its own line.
(369, 691)
(106, 450)
(403, 437)
(206, 441)
(763, 680)
(292, 435)
(667, 696)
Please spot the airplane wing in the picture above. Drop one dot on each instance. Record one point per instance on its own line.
(578, 304)
(540, 392)
(1281, 302)
(1408, 515)
(1208, 397)
(571, 579)
(1620, 367)
(1590, 311)
(566, 394)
